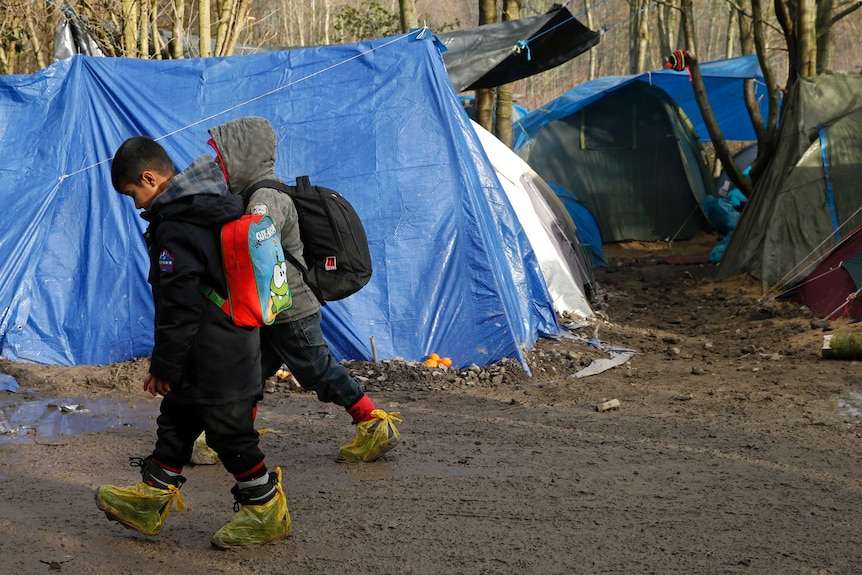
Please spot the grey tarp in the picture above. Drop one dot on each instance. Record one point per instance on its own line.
(489, 56)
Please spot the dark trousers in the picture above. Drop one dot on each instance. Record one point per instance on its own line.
(300, 345)
(229, 428)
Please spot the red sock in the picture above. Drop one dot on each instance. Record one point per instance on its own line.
(361, 410)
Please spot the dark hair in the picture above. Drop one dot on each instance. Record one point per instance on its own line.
(136, 155)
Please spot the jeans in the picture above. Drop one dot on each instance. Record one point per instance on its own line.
(299, 344)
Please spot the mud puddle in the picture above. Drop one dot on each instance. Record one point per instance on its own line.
(24, 420)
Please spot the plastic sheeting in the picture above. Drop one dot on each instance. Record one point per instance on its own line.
(495, 54)
(378, 121)
(725, 87)
(549, 228)
(808, 197)
(633, 159)
(831, 290)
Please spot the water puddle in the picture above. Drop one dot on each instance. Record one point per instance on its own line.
(25, 420)
(850, 407)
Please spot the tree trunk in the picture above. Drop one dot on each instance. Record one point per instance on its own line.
(36, 41)
(408, 15)
(790, 38)
(767, 137)
(226, 16)
(511, 11)
(485, 97)
(158, 45)
(746, 28)
(238, 25)
(326, 41)
(204, 26)
(130, 23)
(718, 142)
(144, 40)
(825, 36)
(667, 23)
(591, 69)
(179, 15)
(640, 36)
(732, 29)
(805, 21)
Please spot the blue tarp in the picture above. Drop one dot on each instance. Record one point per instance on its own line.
(724, 81)
(379, 121)
(588, 234)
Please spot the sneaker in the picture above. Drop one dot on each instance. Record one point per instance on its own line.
(373, 437)
(143, 507)
(262, 515)
(203, 454)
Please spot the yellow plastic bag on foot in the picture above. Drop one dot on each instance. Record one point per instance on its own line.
(203, 454)
(139, 507)
(373, 437)
(256, 524)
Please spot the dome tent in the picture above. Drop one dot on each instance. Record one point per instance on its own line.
(632, 157)
(453, 272)
(809, 197)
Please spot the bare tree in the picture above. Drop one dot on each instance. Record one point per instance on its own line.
(485, 97)
(591, 67)
(639, 40)
(503, 129)
(719, 144)
(807, 38)
(130, 33)
(667, 20)
(408, 15)
(179, 12)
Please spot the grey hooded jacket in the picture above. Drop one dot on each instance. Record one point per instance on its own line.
(247, 147)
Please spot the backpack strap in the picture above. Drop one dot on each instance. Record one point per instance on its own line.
(212, 295)
(303, 187)
(265, 183)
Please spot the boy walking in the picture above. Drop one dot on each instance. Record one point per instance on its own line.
(206, 368)
(245, 150)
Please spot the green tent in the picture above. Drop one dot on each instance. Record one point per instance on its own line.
(810, 195)
(633, 158)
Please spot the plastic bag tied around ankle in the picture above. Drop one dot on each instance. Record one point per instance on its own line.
(256, 524)
(373, 437)
(139, 507)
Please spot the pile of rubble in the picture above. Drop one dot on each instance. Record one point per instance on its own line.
(549, 359)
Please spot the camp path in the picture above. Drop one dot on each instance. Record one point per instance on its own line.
(735, 449)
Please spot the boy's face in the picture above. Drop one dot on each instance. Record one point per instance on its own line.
(145, 191)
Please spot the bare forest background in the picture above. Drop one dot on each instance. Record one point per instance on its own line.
(637, 35)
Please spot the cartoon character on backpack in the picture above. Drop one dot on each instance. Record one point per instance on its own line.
(279, 292)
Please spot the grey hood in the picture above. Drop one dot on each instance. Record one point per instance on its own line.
(247, 147)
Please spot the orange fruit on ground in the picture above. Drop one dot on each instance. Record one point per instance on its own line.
(431, 362)
(446, 361)
(434, 356)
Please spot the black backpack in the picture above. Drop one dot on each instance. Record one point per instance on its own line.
(337, 261)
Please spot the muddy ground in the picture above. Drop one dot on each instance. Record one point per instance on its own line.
(735, 449)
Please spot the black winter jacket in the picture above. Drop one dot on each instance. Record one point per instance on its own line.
(206, 358)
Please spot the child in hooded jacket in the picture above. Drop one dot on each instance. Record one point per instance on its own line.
(246, 150)
(203, 387)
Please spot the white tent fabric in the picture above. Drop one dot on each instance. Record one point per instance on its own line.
(547, 224)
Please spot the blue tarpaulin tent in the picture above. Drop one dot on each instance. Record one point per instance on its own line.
(724, 81)
(378, 121)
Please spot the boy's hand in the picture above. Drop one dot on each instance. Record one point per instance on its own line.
(156, 386)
